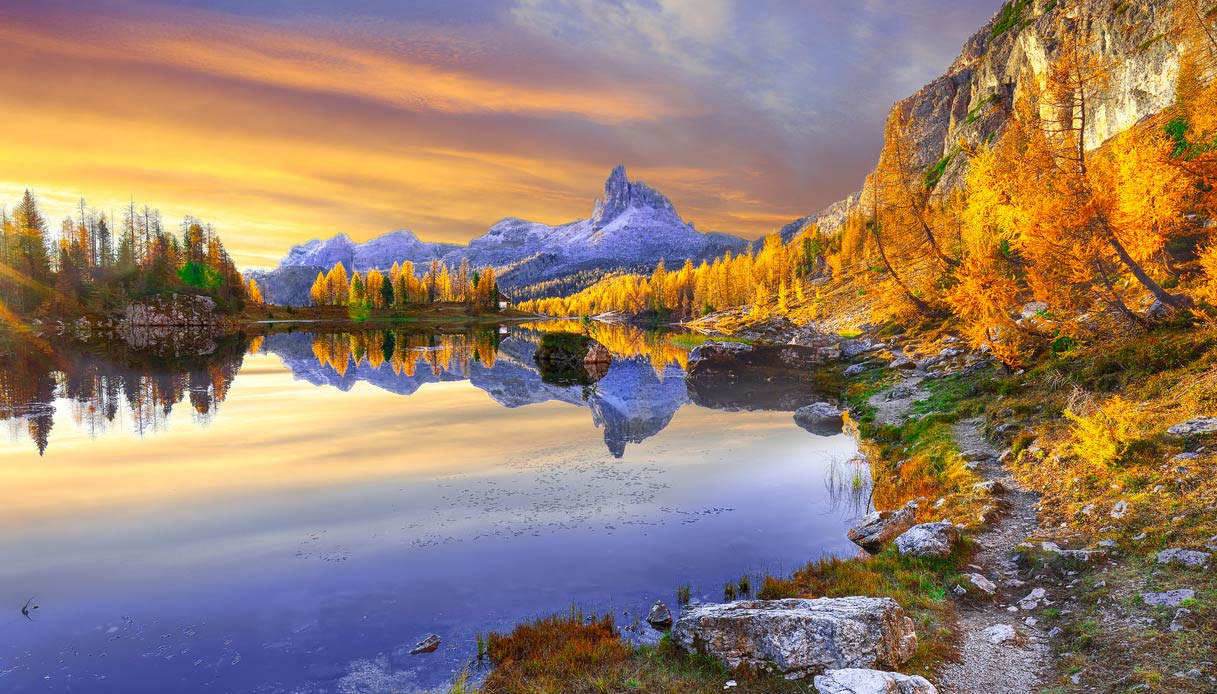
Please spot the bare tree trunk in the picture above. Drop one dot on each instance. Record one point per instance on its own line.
(1137, 271)
(1114, 298)
(921, 305)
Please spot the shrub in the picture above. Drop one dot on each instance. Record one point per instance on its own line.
(1103, 435)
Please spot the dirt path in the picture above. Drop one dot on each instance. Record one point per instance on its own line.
(1015, 666)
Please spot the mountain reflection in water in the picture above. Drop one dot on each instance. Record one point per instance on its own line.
(634, 400)
(230, 523)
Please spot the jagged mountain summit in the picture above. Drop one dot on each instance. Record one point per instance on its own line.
(632, 226)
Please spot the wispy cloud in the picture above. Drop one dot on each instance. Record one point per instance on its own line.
(283, 121)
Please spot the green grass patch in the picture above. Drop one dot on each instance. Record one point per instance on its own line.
(1149, 43)
(920, 585)
(561, 341)
(934, 174)
(956, 395)
(859, 391)
(694, 340)
(1011, 16)
(975, 114)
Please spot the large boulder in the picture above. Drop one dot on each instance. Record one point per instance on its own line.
(859, 681)
(929, 540)
(799, 638)
(877, 529)
(821, 418)
(172, 325)
(566, 358)
(171, 310)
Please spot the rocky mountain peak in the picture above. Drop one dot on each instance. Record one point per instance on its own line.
(621, 195)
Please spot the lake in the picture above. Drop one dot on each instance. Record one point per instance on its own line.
(295, 512)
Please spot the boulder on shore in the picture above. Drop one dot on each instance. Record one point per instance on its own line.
(929, 540)
(821, 419)
(171, 325)
(860, 681)
(660, 617)
(877, 529)
(799, 638)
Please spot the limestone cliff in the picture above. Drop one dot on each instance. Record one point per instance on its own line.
(973, 100)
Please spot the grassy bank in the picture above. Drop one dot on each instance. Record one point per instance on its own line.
(1086, 429)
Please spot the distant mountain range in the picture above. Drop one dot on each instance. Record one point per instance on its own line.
(633, 226)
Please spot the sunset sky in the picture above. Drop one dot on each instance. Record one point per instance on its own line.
(287, 120)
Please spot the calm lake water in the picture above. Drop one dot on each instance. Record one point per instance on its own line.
(293, 515)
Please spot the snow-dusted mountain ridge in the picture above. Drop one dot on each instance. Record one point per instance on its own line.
(631, 226)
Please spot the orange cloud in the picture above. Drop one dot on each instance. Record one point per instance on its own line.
(277, 136)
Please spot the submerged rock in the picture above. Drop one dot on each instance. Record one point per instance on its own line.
(877, 529)
(929, 540)
(859, 681)
(822, 418)
(799, 638)
(660, 617)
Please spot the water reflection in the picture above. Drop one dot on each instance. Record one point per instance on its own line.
(277, 518)
(108, 390)
(634, 400)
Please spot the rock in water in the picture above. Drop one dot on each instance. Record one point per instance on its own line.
(1200, 426)
(929, 540)
(822, 419)
(171, 325)
(799, 638)
(427, 645)
(597, 354)
(660, 617)
(877, 529)
(859, 681)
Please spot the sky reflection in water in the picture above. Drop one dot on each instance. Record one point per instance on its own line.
(301, 538)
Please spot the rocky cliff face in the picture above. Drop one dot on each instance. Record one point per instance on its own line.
(973, 100)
